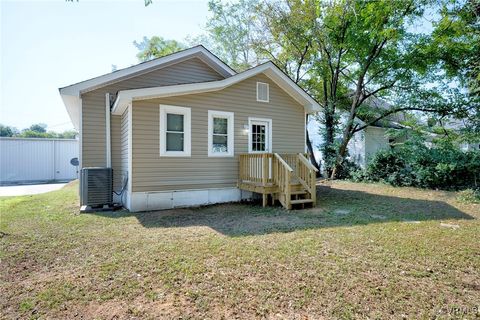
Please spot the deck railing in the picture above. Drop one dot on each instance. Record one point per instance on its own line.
(256, 168)
(278, 172)
(283, 179)
(307, 176)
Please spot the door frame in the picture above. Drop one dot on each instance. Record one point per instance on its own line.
(268, 132)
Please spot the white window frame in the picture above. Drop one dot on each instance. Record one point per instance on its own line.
(187, 130)
(230, 133)
(268, 147)
(268, 92)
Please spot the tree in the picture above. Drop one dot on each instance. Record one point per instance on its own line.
(38, 127)
(156, 47)
(347, 53)
(7, 131)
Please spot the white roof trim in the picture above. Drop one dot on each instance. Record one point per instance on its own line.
(119, 75)
(125, 97)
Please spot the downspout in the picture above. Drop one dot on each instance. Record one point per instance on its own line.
(108, 140)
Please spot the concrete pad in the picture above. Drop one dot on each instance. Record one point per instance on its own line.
(23, 190)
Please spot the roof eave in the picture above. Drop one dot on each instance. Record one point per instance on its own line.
(199, 51)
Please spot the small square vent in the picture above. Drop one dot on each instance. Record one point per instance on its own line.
(262, 92)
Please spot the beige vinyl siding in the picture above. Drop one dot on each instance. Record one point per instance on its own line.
(93, 105)
(154, 173)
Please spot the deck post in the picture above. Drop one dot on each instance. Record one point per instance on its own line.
(313, 187)
(288, 196)
(264, 169)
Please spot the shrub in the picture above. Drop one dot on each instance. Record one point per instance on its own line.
(443, 166)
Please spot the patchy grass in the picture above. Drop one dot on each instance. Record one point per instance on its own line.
(366, 251)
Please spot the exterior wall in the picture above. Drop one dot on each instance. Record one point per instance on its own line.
(356, 146)
(93, 107)
(154, 173)
(356, 149)
(25, 160)
(375, 140)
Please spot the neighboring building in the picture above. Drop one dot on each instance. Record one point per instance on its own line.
(37, 160)
(363, 145)
(174, 128)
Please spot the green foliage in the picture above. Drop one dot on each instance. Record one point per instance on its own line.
(443, 166)
(38, 127)
(7, 131)
(156, 47)
(345, 53)
(38, 130)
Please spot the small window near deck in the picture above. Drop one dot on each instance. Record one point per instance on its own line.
(263, 92)
(220, 133)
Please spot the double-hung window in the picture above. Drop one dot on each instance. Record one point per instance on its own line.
(175, 131)
(220, 133)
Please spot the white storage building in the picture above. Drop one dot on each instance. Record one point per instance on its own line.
(31, 160)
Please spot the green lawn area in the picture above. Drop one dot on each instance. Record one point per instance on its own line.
(366, 251)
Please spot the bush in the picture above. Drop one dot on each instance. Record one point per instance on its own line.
(347, 169)
(443, 166)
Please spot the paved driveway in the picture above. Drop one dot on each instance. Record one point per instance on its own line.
(29, 189)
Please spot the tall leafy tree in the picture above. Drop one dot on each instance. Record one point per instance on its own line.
(156, 47)
(348, 53)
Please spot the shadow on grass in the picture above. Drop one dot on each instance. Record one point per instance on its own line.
(335, 208)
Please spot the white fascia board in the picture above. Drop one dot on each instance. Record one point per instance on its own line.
(73, 105)
(198, 51)
(125, 97)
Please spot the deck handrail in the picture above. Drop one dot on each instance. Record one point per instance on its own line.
(283, 162)
(276, 174)
(283, 178)
(306, 162)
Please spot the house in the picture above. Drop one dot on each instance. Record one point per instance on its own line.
(186, 130)
(363, 145)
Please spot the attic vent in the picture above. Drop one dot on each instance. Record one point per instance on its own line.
(262, 92)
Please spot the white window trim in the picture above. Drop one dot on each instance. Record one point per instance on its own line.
(187, 131)
(268, 92)
(251, 120)
(230, 133)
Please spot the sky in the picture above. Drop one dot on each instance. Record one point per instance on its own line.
(45, 45)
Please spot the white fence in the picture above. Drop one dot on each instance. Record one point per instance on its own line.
(24, 160)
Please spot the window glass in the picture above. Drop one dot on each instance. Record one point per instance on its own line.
(220, 125)
(174, 122)
(174, 132)
(258, 138)
(174, 141)
(220, 135)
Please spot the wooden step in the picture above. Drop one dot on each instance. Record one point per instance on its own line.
(301, 201)
(299, 192)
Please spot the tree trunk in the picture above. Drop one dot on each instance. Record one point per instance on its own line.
(347, 132)
(328, 145)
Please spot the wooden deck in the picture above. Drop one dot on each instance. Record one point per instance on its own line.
(288, 178)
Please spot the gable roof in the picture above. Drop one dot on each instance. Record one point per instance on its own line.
(198, 51)
(71, 95)
(125, 97)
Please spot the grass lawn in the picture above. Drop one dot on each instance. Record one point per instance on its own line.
(366, 251)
